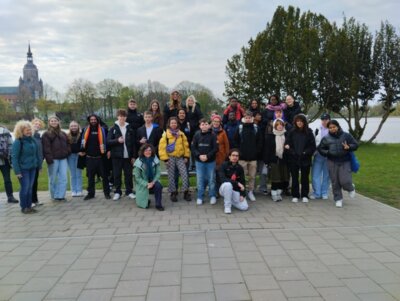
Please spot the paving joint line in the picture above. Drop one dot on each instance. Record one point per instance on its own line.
(194, 232)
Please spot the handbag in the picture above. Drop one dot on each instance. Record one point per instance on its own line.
(355, 164)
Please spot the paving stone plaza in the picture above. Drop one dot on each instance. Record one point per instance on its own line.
(102, 250)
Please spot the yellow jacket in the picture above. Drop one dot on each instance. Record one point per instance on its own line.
(181, 146)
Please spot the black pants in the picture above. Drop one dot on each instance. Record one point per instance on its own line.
(5, 170)
(95, 166)
(35, 199)
(119, 165)
(305, 183)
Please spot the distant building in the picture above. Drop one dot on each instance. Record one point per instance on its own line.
(30, 86)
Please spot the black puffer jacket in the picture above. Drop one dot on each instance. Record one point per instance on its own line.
(331, 146)
(193, 118)
(225, 172)
(116, 148)
(301, 147)
(205, 144)
(135, 119)
(292, 111)
(248, 138)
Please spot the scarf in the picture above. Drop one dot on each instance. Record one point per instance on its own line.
(216, 130)
(279, 141)
(279, 106)
(101, 135)
(148, 163)
(238, 113)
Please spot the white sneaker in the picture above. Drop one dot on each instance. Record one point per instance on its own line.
(228, 210)
(132, 196)
(251, 196)
(213, 200)
(295, 200)
(352, 194)
(73, 194)
(79, 193)
(339, 204)
(313, 197)
(305, 200)
(116, 197)
(199, 202)
(324, 197)
(33, 205)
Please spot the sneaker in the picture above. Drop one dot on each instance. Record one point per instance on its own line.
(173, 196)
(228, 210)
(352, 194)
(116, 197)
(160, 208)
(251, 196)
(213, 200)
(313, 197)
(73, 194)
(79, 194)
(304, 200)
(199, 202)
(187, 196)
(295, 200)
(132, 196)
(33, 205)
(324, 197)
(88, 197)
(339, 204)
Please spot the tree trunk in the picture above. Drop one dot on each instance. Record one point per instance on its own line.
(383, 120)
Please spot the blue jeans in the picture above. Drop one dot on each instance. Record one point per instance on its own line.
(75, 173)
(25, 192)
(58, 178)
(205, 172)
(320, 176)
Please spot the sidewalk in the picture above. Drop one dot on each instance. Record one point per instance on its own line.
(105, 250)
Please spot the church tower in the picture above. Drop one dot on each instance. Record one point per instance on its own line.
(30, 84)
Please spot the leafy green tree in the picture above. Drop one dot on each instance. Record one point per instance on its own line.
(83, 93)
(109, 90)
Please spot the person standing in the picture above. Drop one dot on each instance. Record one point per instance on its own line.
(74, 140)
(249, 140)
(25, 160)
(175, 152)
(205, 148)
(147, 177)
(150, 132)
(56, 151)
(5, 162)
(134, 118)
(172, 106)
(121, 144)
(274, 157)
(235, 107)
(37, 125)
(155, 110)
(300, 146)
(293, 108)
(233, 184)
(319, 170)
(336, 146)
(230, 128)
(93, 146)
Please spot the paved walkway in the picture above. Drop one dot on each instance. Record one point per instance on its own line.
(104, 250)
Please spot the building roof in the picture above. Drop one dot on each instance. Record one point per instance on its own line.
(8, 90)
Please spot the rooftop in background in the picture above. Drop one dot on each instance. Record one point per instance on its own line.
(8, 90)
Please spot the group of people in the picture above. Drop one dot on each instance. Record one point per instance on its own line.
(226, 151)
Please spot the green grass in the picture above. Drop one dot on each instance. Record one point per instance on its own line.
(378, 178)
(379, 175)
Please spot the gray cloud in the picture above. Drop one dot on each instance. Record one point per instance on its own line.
(132, 41)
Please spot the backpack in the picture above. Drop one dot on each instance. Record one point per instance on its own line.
(241, 129)
(4, 147)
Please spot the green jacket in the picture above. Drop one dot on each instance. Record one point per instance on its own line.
(26, 156)
(141, 181)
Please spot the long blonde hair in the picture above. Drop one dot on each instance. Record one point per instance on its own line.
(194, 103)
(20, 127)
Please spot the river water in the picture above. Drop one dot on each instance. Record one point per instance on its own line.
(390, 132)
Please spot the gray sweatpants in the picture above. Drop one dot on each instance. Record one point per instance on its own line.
(340, 174)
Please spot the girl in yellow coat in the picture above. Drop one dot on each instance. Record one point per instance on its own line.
(174, 150)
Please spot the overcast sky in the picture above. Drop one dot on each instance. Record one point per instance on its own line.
(133, 41)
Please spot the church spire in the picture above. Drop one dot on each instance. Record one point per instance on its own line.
(29, 54)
